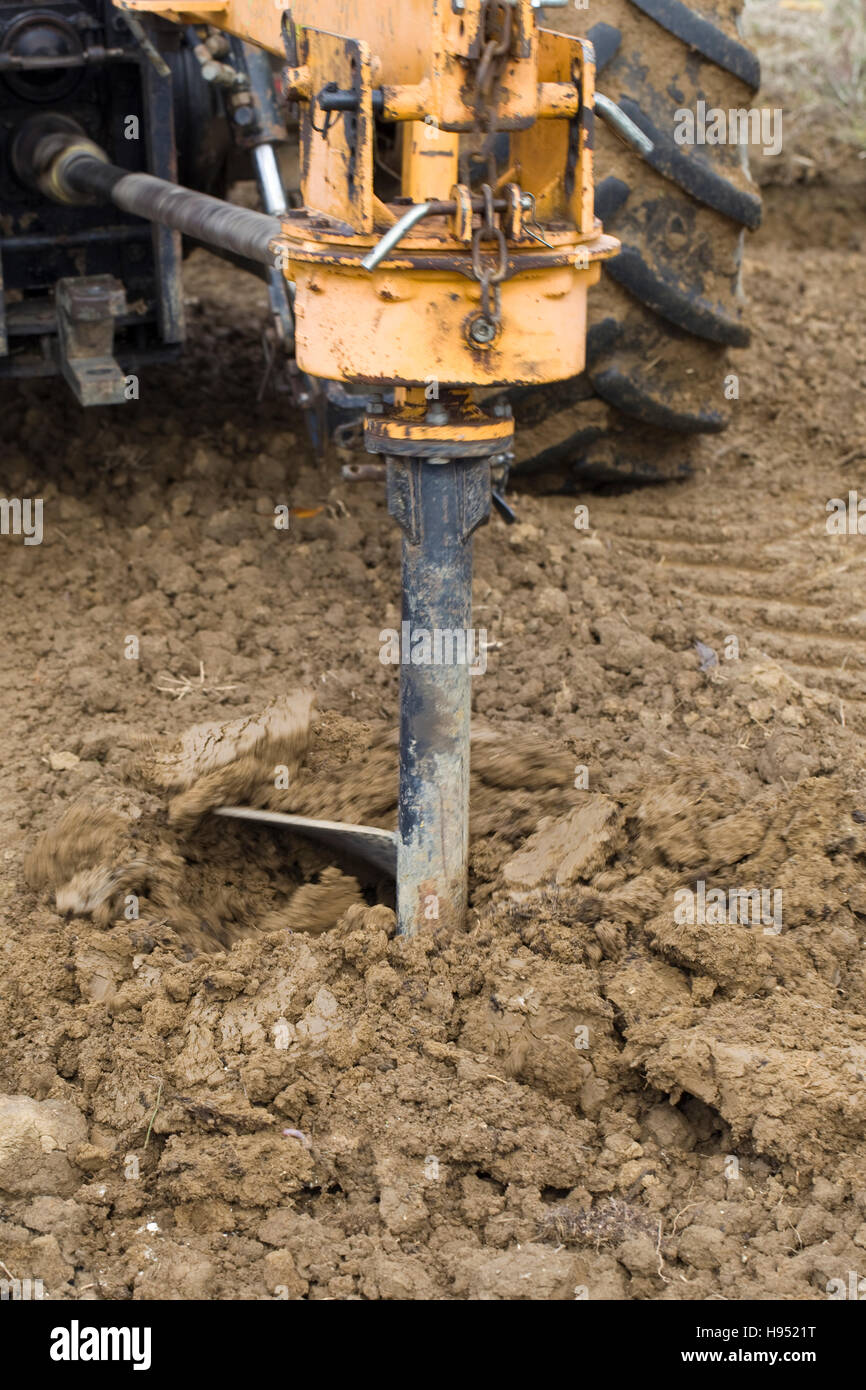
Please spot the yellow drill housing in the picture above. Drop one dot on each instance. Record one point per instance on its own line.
(412, 318)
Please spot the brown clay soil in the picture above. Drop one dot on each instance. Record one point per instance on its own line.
(252, 1089)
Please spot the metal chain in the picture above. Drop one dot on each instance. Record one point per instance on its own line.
(491, 65)
(494, 51)
(490, 272)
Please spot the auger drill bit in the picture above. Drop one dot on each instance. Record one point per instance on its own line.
(438, 504)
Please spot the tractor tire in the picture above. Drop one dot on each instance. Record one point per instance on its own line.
(669, 306)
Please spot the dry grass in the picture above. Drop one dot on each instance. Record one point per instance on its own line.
(606, 1224)
(813, 57)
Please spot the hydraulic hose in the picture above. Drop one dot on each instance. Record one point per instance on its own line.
(53, 153)
(210, 220)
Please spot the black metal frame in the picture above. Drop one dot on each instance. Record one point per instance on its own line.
(42, 242)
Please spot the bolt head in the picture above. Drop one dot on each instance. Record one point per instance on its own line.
(482, 331)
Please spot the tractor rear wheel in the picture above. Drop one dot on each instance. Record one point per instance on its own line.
(670, 305)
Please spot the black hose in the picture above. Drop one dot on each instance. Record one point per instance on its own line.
(98, 179)
(240, 231)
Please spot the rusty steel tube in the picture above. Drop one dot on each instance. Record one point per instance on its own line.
(438, 503)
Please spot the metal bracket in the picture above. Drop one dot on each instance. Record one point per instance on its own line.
(87, 307)
(405, 481)
(454, 428)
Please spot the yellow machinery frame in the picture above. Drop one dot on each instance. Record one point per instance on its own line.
(407, 321)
